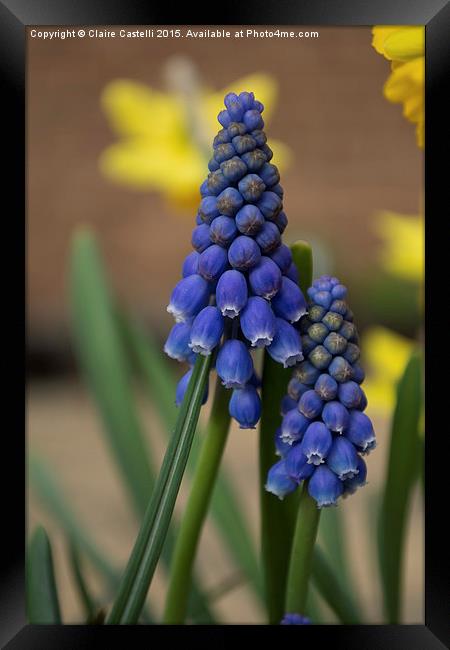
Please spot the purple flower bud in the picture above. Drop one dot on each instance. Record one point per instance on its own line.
(258, 105)
(244, 253)
(296, 388)
(289, 302)
(270, 174)
(292, 273)
(213, 165)
(282, 256)
(254, 160)
(360, 432)
(268, 237)
(295, 619)
(351, 353)
(245, 407)
(339, 306)
(270, 204)
(335, 416)
(319, 357)
(350, 394)
(231, 293)
(316, 313)
(297, 466)
(359, 480)
(224, 118)
(234, 364)
(334, 342)
(286, 347)
(208, 209)
(247, 100)
(182, 387)
(223, 230)
(318, 332)
(278, 190)
(293, 426)
(310, 404)
(358, 374)
(339, 291)
(332, 320)
(253, 120)
(223, 152)
(325, 487)
(200, 238)
(204, 191)
(342, 458)
(326, 387)
(348, 330)
(258, 322)
(190, 264)
(316, 443)
(236, 128)
(213, 262)
(281, 448)
(251, 187)
(234, 107)
(189, 296)
(287, 404)
(222, 137)
(249, 220)
(216, 182)
(278, 482)
(177, 344)
(322, 298)
(306, 373)
(207, 330)
(229, 201)
(259, 137)
(265, 277)
(234, 169)
(268, 151)
(363, 402)
(340, 369)
(243, 143)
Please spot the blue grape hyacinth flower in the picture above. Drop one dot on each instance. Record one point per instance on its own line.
(239, 288)
(295, 619)
(325, 432)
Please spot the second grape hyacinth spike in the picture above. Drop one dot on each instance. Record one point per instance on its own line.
(239, 290)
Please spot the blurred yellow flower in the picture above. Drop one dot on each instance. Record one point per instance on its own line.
(159, 147)
(403, 250)
(385, 356)
(405, 48)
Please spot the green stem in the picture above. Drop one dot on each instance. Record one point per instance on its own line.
(302, 552)
(197, 507)
(86, 599)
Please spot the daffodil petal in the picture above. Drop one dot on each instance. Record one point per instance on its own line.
(403, 250)
(405, 44)
(380, 34)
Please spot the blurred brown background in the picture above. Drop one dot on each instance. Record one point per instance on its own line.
(353, 154)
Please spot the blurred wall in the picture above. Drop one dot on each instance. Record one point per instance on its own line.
(354, 154)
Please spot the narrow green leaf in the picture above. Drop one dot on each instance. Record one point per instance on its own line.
(225, 505)
(147, 549)
(331, 538)
(86, 599)
(42, 596)
(402, 470)
(303, 260)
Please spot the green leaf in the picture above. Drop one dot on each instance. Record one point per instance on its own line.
(277, 517)
(147, 549)
(331, 538)
(402, 471)
(42, 596)
(225, 505)
(86, 599)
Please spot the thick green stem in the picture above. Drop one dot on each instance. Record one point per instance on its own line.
(302, 552)
(197, 507)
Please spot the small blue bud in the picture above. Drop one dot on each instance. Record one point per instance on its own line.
(357, 481)
(213, 262)
(236, 128)
(348, 330)
(339, 291)
(326, 387)
(340, 369)
(281, 256)
(332, 320)
(320, 357)
(316, 443)
(224, 119)
(223, 230)
(234, 364)
(249, 220)
(268, 238)
(270, 204)
(254, 160)
(342, 458)
(334, 342)
(259, 136)
(216, 182)
(358, 374)
(258, 322)
(322, 298)
(258, 105)
(253, 120)
(306, 373)
(339, 306)
(278, 482)
(310, 404)
(229, 201)
(278, 190)
(222, 137)
(223, 152)
(292, 273)
(189, 296)
(247, 100)
(335, 416)
(289, 302)
(325, 487)
(268, 151)
(251, 187)
(295, 619)
(182, 388)
(293, 426)
(244, 253)
(177, 344)
(287, 404)
(308, 344)
(350, 394)
(360, 432)
(318, 332)
(363, 402)
(297, 466)
(204, 191)
(270, 174)
(234, 169)
(296, 388)
(207, 330)
(316, 313)
(322, 284)
(281, 448)
(234, 107)
(265, 277)
(231, 293)
(213, 165)
(200, 239)
(190, 264)
(245, 407)
(208, 209)
(243, 143)
(286, 347)
(352, 353)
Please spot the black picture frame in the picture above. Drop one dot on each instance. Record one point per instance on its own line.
(15, 16)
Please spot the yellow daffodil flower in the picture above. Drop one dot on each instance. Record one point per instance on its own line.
(157, 147)
(405, 48)
(403, 244)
